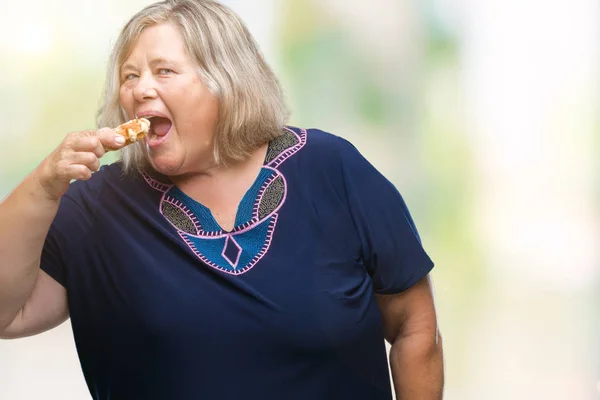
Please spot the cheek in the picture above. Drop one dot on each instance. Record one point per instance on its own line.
(213, 107)
(125, 100)
(207, 106)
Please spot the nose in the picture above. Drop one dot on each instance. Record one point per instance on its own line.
(145, 88)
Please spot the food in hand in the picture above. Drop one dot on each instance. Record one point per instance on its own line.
(133, 130)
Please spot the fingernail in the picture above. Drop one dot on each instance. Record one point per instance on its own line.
(120, 140)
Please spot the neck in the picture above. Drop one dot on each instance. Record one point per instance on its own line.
(219, 171)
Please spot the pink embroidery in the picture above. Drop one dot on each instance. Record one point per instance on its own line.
(236, 271)
(161, 187)
(182, 207)
(292, 150)
(247, 226)
(230, 239)
(256, 209)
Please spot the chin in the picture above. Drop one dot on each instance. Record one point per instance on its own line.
(166, 164)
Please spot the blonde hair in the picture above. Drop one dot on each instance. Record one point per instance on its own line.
(252, 108)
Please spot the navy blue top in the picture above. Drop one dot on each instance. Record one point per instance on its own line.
(164, 304)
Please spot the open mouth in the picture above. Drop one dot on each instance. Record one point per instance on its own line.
(159, 130)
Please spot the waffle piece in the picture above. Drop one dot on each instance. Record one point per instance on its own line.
(133, 130)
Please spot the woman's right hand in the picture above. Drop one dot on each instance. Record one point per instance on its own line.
(77, 157)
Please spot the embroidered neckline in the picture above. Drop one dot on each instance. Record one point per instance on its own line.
(279, 150)
(238, 250)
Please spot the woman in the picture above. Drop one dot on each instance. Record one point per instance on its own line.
(228, 255)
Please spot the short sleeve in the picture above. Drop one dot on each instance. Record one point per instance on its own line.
(52, 261)
(391, 246)
(70, 225)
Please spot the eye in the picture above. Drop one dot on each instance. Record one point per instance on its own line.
(165, 71)
(129, 77)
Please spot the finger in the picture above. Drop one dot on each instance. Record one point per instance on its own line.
(88, 144)
(89, 159)
(109, 139)
(77, 171)
(99, 149)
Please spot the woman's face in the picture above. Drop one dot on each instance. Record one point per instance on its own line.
(160, 82)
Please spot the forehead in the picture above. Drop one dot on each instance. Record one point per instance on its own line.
(159, 41)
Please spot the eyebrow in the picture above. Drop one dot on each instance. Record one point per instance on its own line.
(153, 63)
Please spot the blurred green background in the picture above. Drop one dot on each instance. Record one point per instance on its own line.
(484, 114)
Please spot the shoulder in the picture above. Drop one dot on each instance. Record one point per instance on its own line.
(105, 193)
(320, 140)
(98, 181)
(330, 161)
(81, 204)
(337, 157)
(108, 179)
(324, 148)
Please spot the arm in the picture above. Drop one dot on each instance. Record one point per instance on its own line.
(416, 357)
(25, 218)
(31, 301)
(45, 309)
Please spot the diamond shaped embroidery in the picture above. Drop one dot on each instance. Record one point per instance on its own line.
(258, 215)
(232, 251)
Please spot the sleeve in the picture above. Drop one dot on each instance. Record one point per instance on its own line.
(52, 260)
(391, 247)
(70, 225)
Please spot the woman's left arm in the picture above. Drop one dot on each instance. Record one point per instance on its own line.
(416, 356)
